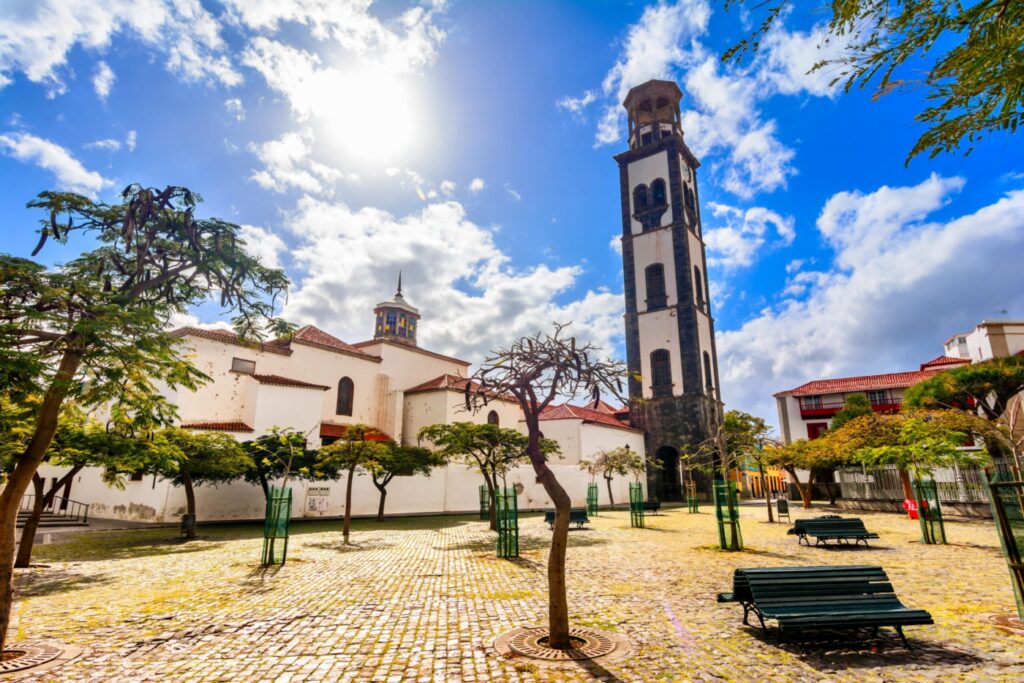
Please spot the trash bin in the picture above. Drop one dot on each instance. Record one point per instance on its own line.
(188, 524)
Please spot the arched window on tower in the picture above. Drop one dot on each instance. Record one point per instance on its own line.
(345, 391)
(661, 373)
(492, 418)
(709, 379)
(654, 276)
(658, 195)
(640, 202)
(698, 286)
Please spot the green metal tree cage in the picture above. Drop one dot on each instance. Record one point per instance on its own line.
(508, 522)
(1006, 495)
(929, 512)
(592, 499)
(636, 505)
(727, 512)
(692, 502)
(275, 526)
(485, 503)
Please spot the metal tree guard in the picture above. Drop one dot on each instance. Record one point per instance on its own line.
(636, 505)
(275, 526)
(727, 512)
(1007, 499)
(929, 512)
(508, 522)
(692, 503)
(592, 499)
(485, 503)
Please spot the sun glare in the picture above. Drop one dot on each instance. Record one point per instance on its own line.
(371, 115)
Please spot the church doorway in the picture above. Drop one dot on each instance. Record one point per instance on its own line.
(669, 488)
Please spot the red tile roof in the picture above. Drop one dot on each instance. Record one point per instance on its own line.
(603, 407)
(446, 381)
(939, 361)
(844, 385)
(280, 381)
(410, 347)
(317, 338)
(228, 337)
(218, 426)
(339, 431)
(571, 412)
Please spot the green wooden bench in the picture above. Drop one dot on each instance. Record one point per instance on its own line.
(577, 516)
(808, 598)
(652, 506)
(831, 528)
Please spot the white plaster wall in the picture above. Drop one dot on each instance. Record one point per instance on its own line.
(659, 330)
(509, 414)
(289, 408)
(645, 171)
(654, 247)
(422, 409)
(567, 434)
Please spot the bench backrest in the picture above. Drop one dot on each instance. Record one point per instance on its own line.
(790, 588)
(853, 525)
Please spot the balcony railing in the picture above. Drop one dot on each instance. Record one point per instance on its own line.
(830, 408)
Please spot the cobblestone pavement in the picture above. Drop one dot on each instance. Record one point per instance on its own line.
(421, 600)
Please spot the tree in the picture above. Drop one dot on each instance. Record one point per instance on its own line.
(802, 454)
(201, 458)
(854, 405)
(350, 453)
(991, 389)
(281, 455)
(534, 371)
(102, 317)
(492, 450)
(400, 461)
(974, 84)
(619, 461)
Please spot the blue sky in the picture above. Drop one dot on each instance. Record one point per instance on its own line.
(470, 145)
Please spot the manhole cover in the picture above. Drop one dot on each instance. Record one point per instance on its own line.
(587, 644)
(28, 656)
(1008, 623)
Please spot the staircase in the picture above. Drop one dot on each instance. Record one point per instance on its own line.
(61, 512)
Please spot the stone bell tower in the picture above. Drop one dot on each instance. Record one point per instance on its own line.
(670, 334)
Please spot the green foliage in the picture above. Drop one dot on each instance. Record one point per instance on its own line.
(492, 450)
(855, 405)
(207, 457)
(403, 461)
(282, 455)
(354, 452)
(621, 461)
(739, 435)
(973, 81)
(988, 386)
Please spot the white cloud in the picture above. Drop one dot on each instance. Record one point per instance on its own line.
(235, 108)
(36, 38)
(262, 244)
(512, 193)
(108, 144)
(881, 309)
(130, 140)
(476, 302)
(103, 80)
(743, 233)
(70, 173)
(476, 185)
(448, 187)
(616, 244)
(287, 164)
(576, 105)
(788, 57)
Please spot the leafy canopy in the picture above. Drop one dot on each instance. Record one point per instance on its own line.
(490, 449)
(988, 386)
(855, 405)
(206, 457)
(973, 70)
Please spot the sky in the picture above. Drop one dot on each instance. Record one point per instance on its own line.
(469, 145)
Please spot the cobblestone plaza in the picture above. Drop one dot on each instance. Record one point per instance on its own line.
(422, 599)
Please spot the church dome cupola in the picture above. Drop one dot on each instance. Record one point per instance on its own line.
(653, 112)
(397, 319)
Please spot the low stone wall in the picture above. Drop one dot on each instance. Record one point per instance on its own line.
(960, 509)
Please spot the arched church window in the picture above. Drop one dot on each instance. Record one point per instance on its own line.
(698, 285)
(492, 418)
(654, 275)
(708, 377)
(640, 199)
(658, 195)
(345, 390)
(661, 373)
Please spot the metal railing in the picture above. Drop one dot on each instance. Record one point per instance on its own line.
(954, 484)
(829, 408)
(60, 508)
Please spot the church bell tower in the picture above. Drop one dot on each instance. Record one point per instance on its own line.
(670, 334)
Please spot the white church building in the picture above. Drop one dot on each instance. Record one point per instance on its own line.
(317, 384)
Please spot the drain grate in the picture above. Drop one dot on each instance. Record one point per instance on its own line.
(29, 656)
(530, 642)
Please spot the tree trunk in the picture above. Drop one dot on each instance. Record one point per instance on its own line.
(764, 490)
(611, 499)
(21, 477)
(558, 604)
(383, 488)
(908, 491)
(492, 503)
(28, 532)
(190, 502)
(346, 524)
(805, 490)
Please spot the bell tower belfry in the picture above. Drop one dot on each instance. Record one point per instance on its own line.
(396, 320)
(670, 334)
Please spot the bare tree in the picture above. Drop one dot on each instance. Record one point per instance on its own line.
(536, 370)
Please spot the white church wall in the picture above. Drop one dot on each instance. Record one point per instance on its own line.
(422, 409)
(289, 408)
(654, 247)
(646, 171)
(567, 434)
(660, 330)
